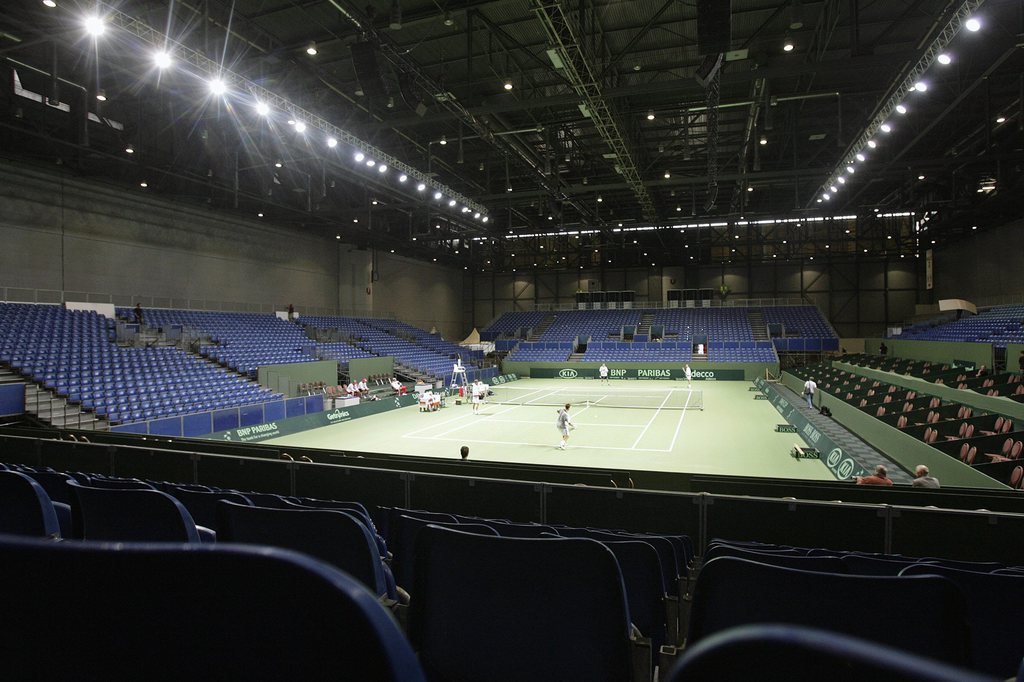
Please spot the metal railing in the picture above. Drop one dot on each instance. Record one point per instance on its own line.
(729, 302)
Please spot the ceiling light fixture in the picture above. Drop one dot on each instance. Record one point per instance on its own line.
(95, 26)
(162, 60)
(311, 48)
(972, 25)
(944, 59)
(101, 95)
(650, 114)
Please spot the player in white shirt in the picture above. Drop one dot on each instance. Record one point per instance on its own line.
(809, 388)
(426, 397)
(689, 375)
(603, 371)
(364, 388)
(478, 390)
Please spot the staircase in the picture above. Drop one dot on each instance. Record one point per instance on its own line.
(756, 320)
(542, 327)
(644, 327)
(53, 409)
(575, 357)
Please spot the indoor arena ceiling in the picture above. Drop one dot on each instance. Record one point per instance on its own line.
(555, 129)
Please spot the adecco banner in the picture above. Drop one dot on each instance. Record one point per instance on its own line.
(838, 462)
(284, 427)
(636, 373)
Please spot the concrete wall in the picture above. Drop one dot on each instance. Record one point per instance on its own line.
(80, 237)
(934, 351)
(996, 252)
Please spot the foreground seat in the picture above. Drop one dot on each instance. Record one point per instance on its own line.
(190, 612)
(25, 508)
(925, 615)
(518, 609)
(130, 515)
(800, 654)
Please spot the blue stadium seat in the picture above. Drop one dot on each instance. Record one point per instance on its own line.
(504, 609)
(126, 515)
(190, 612)
(25, 508)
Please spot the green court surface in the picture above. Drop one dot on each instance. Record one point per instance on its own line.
(733, 434)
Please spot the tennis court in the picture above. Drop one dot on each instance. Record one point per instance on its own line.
(718, 427)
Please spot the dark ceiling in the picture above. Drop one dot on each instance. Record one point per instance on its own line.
(605, 132)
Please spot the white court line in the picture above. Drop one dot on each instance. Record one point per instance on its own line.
(655, 416)
(540, 445)
(532, 421)
(462, 426)
(682, 416)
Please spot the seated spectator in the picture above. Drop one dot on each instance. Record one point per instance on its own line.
(421, 386)
(399, 387)
(352, 390)
(922, 479)
(364, 388)
(880, 477)
(982, 371)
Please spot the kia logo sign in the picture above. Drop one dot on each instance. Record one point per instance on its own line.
(568, 374)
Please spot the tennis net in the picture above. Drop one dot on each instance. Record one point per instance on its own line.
(671, 399)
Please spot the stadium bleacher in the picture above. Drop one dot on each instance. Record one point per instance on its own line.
(999, 326)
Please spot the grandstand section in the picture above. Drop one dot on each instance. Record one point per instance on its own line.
(999, 326)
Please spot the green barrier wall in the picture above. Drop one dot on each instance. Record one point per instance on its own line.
(366, 367)
(717, 371)
(283, 427)
(898, 446)
(286, 378)
(934, 351)
(1013, 363)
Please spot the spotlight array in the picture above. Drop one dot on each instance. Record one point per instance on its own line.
(265, 103)
(914, 83)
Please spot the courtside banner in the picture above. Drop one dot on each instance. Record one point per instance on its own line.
(635, 373)
(841, 465)
(284, 427)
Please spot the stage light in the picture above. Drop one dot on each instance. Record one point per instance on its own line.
(885, 128)
(300, 127)
(143, 184)
(311, 48)
(826, 198)
(217, 87)
(162, 60)
(842, 181)
(403, 177)
(859, 156)
(49, 3)
(872, 144)
(834, 189)
(668, 175)
(787, 43)
(95, 26)
(508, 84)
(359, 156)
(944, 59)
(331, 142)
(920, 177)
(129, 149)
(920, 86)
(850, 170)
(1001, 119)
(650, 114)
(370, 163)
(437, 195)
(764, 139)
(451, 202)
(972, 25)
(901, 109)
(262, 109)
(420, 187)
(485, 219)
(750, 188)
(599, 198)
(383, 168)
(476, 216)
(259, 215)
(444, 140)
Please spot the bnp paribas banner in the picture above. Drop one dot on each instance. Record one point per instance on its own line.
(284, 427)
(838, 462)
(636, 373)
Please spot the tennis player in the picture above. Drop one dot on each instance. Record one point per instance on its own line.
(477, 389)
(603, 371)
(689, 375)
(564, 425)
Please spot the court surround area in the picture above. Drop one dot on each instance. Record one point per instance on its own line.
(634, 425)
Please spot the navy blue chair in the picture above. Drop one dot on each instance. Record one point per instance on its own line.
(334, 536)
(821, 564)
(517, 609)
(25, 508)
(130, 515)
(997, 632)
(118, 483)
(645, 588)
(203, 505)
(925, 615)
(54, 483)
(191, 612)
(520, 530)
(859, 564)
(801, 654)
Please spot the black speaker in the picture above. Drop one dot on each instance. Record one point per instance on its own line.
(364, 61)
(713, 26)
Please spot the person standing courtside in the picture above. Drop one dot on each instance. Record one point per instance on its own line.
(603, 371)
(809, 388)
(564, 424)
(689, 375)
